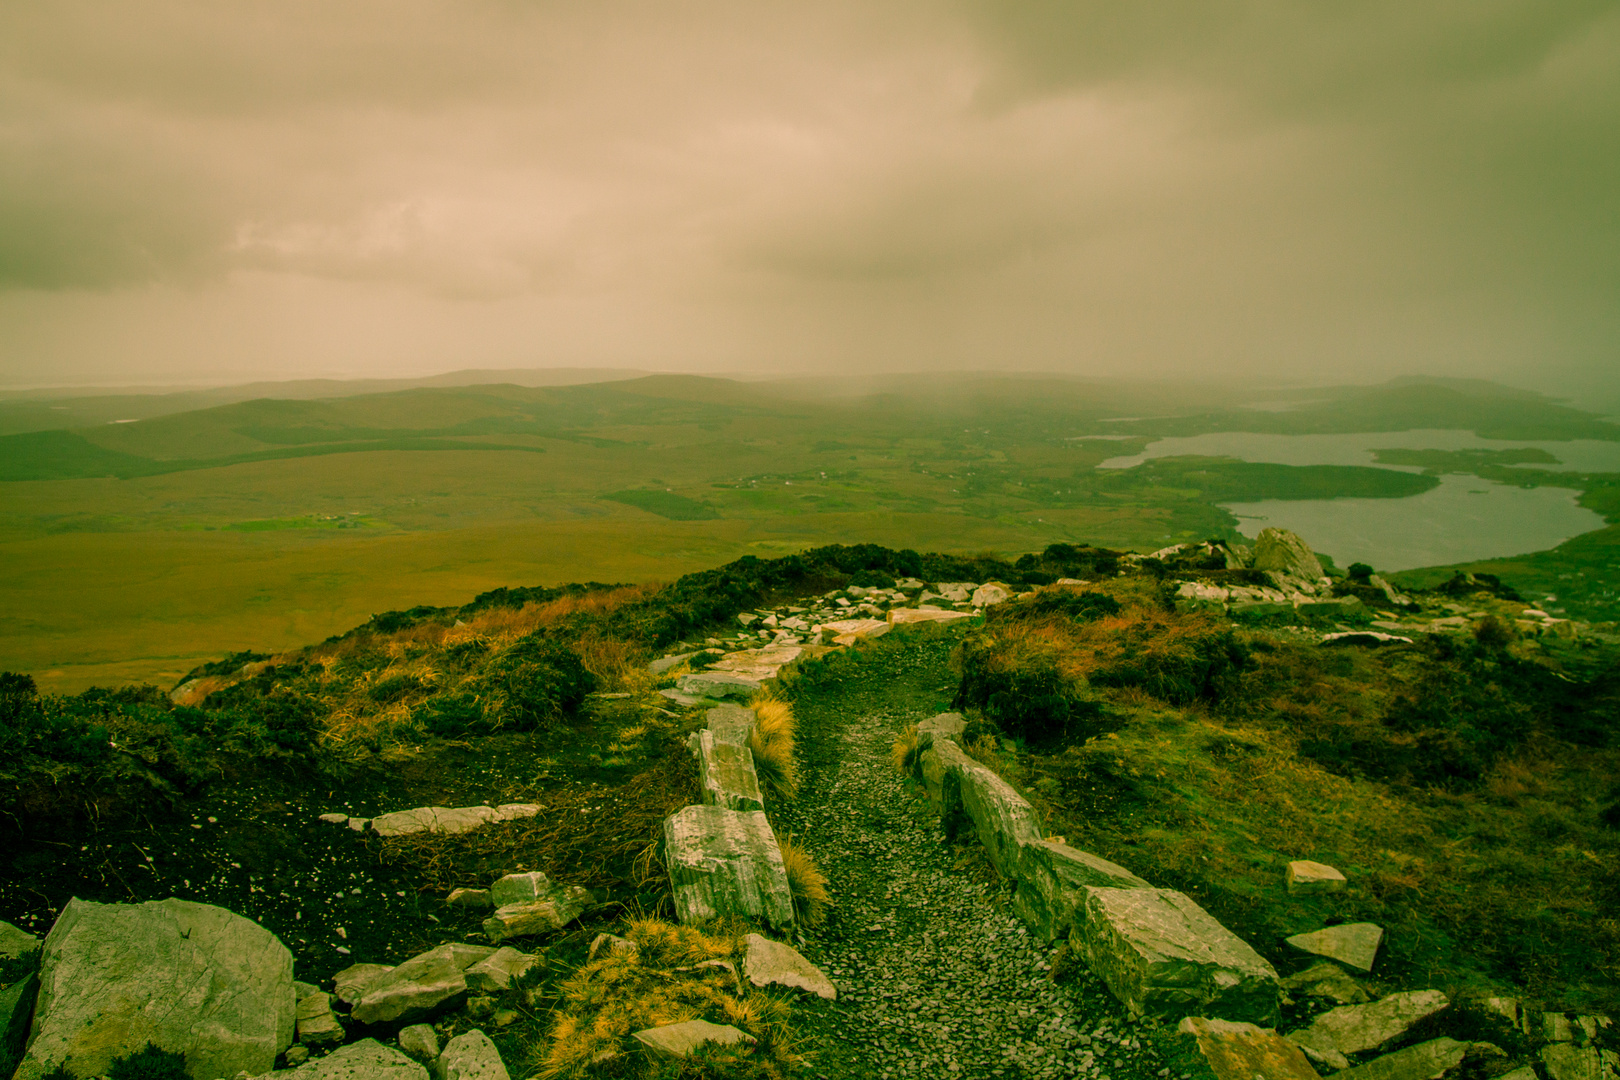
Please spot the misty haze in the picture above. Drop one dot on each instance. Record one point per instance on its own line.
(751, 541)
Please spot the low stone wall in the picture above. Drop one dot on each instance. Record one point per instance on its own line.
(1158, 951)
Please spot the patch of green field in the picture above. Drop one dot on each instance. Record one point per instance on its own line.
(666, 504)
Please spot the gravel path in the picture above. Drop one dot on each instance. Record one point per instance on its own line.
(936, 976)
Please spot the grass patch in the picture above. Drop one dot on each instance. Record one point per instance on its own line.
(807, 884)
(666, 504)
(771, 741)
(667, 979)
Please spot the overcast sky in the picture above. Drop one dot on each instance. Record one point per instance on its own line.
(222, 190)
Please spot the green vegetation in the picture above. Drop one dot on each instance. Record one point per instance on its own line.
(1463, 784)
(150, 1063)
(268, 523)
(666, 504)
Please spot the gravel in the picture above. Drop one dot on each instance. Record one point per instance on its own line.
(935, 975)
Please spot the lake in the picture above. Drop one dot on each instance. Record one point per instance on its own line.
(1463, 519)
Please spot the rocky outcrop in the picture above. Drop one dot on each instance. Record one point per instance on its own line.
(1224, 1050)
(679, 1040)
(1355, 944)
(192, 978)
(1286, 555)
(726, 774)
(1052, 881)
(724, 862)
(771, 963)
(1161, 954)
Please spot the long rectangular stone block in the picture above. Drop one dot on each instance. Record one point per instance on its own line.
(726, 862)
(941, 757)
(1052, 881)
(731, 723)
(726, 771)
(1003, 819)
(1163, 955)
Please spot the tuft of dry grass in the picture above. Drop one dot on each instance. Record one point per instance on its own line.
(904, 752)
(772, 743)
(807, 884)
(663, 982)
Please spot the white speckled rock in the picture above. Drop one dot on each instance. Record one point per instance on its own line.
(726, 862)
(726, 772)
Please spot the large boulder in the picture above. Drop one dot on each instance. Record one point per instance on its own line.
(1163, 955)
(726, 862)
(421, 987)
(1285, 554)
(726, 772)
(1224, 1050)
(193, 978)
(1052, 881)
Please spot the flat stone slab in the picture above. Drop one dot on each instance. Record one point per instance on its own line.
(718, 684)
(1355, 944)
(726, 773)
(901, 616)
(1052, 881)
(1372, 638)
(679, 1040)
(771, 658)
(1356, 1029)
(771, 963)
(731, 723)
(450, 820)
(1161, 954)
(726, 862)
(1565, 1061)
(1224, 1050)
(664, 663)
(1425, 1061)
(1327, 980)
(1305, 876)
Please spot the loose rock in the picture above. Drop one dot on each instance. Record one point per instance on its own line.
(422, 986)
(1223, 1050)
(421, 1042)
(724, 862)
(771, 963)
(470, 1056)
(316, 1026)
(1355, 944)
(367, 1059)
(1305, 876)
(1425, 1061)
(1355, 1029)
(679, 1040)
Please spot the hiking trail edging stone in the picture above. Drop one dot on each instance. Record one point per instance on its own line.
(723, 862)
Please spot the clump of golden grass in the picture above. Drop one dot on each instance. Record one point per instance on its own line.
(619, 993)
(807, 884)
(904, 751)
(771, 743)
